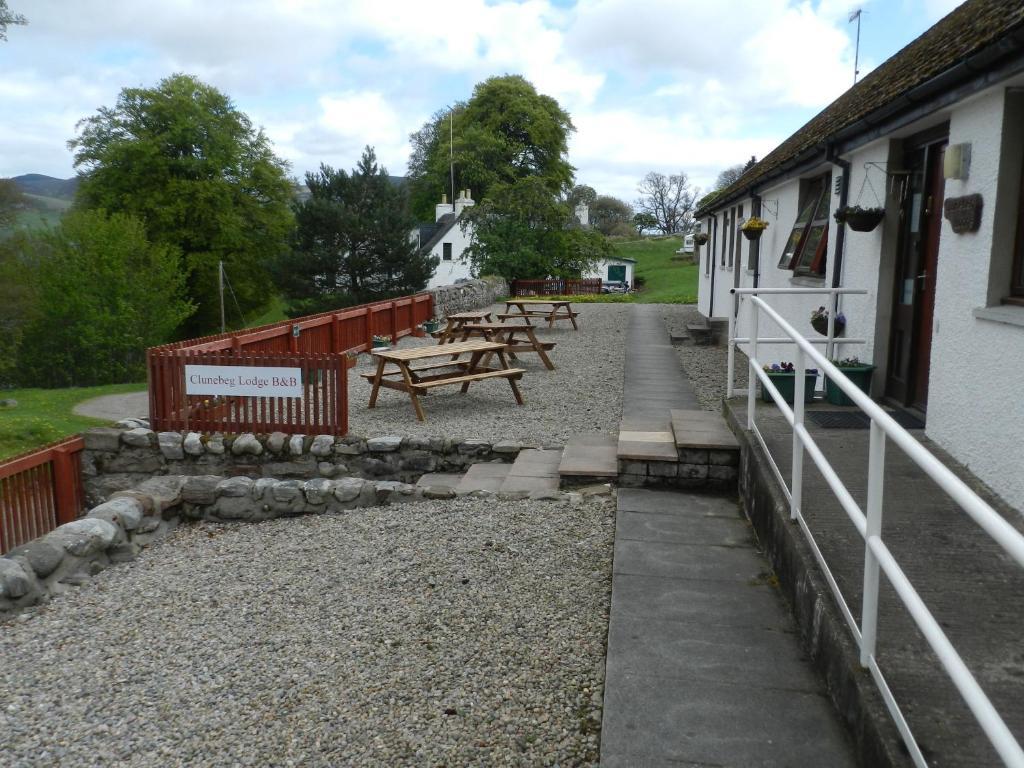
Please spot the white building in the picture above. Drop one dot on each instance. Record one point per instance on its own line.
(447, 240)
(614, 269)
(935, 137)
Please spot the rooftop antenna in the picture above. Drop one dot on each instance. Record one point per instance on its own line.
(856, 51)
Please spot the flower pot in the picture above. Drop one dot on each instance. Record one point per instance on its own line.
(381, 344)
(431, 326)
(820, 324)
(701, 238)
(752, 234)
(350, 362)
(859, 375)
(786, 384)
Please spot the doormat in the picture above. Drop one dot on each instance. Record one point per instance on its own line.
(858, 420)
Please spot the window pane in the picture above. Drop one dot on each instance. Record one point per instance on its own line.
(810, 246)
(791, 245)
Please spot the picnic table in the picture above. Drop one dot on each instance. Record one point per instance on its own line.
(422, 378)
(527, 308)
(506, 333)
(455, 322)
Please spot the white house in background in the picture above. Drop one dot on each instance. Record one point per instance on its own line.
(614, 269)
(447, 240)
(935, 137)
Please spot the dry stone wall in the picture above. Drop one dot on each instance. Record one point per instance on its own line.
(472, 294)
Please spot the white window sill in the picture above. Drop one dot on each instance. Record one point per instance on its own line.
(1007, 314)
(807, 281)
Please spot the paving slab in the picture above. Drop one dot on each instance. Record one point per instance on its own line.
(646, 446)
(439, 480)
(483, 477)
(704, 665)
(702, 429)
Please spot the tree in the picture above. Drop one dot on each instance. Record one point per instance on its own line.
(643, 221)
(732, 174)
(186, 162)
(581, 194)
(669, 199)
(522, 231)
(102, 294)
(351, 243)
(11, 201)
(609, 215)
(9, 18)
(16, 302)
(505, 133)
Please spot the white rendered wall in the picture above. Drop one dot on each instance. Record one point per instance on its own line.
(975, 403)
(601, 270)
(448, 272)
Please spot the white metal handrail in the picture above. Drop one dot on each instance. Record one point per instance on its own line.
(877, 556)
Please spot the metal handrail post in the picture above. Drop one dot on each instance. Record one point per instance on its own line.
(876, 484)
(799, 391)
(751, 373)
(730, 368)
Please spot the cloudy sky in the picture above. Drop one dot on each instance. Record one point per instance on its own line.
(667, 85)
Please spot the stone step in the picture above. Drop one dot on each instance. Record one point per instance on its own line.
(702, 430)
(483, 477)
(447, 480)
(534, 473)
(591, 455)
(646, 440)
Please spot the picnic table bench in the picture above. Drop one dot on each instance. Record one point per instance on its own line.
(506, 333)
(456, 320)
(466, 372)
(527, 308)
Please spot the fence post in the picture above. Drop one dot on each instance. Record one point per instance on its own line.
(752, 372)
(64, 483)
(799, 390)
(730, 368)
(876, 482)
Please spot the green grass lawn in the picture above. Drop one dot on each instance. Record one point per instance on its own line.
(44, 415)
(665, 281)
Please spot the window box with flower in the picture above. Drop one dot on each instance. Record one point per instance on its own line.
(783, 376)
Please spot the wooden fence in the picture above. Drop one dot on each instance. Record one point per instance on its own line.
(316, 343)
(40, 490)
(555, 287)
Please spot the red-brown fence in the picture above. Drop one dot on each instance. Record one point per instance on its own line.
(40, 490)
(316, 343)
(555, 287)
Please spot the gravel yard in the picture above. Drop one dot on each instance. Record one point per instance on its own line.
(705, 366)
(461, 632)
(582, 394)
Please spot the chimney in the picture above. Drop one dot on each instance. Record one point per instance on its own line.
(442, 208)
(583, 215)
(464, 201)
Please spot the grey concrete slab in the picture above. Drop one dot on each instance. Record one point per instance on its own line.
(522, 484)
(650, 717)
(686, 561)
(483, 477)
(590, 455)
(439, 480)
(671, 503)
(743, 655)
(683, 529)
(750, 604)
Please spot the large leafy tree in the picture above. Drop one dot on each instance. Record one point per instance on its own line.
(505, 133)
(101, 294)
(611, 216)
(669, 200)
(521, 231)
(352, 241)
(193, 168)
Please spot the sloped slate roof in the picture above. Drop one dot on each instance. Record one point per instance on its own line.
(439, 229)
(968, 30)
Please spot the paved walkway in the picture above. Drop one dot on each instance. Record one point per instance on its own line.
(130, 405)
(704, 666)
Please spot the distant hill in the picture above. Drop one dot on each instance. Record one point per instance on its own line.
(47, 186)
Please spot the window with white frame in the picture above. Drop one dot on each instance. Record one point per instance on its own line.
(805, 251)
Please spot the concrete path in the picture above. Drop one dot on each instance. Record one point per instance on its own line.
(704, 667)
(131, 405)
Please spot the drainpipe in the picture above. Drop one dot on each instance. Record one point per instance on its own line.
(837, 267)
(711, 254)
(755, 210)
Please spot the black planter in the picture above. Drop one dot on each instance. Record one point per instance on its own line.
(820, 324)
(861, 221)
(752, 234)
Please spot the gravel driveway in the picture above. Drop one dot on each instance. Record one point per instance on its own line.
(582, 394)
(451, 633)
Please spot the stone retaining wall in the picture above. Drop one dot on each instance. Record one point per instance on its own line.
(472, 294)
(116, 458)
(114, 531)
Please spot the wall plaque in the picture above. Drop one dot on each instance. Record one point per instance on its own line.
(964, 213)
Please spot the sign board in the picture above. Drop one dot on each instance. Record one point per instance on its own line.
(243, 381)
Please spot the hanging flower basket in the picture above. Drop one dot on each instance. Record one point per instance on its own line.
(753, 228)
(700, 238)
(819, 322)
(860, 219)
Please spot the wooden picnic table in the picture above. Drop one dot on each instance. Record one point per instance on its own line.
(506, 333)
(456, 320)
(413, 380)
(557, 310)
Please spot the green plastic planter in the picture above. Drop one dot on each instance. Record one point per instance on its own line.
(859, 375)
(786, 384)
